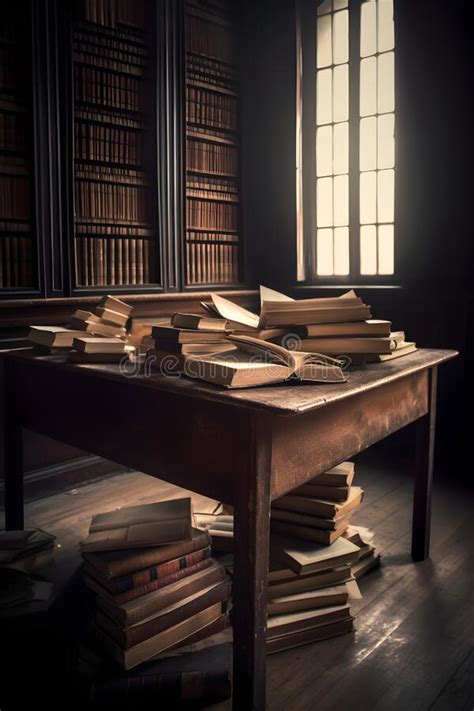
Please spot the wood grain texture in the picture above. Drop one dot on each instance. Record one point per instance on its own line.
(308, 445)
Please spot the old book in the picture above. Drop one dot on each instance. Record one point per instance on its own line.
(140, 590)
(114, 317)
(53, 336)
(203, 676)
(338, 345)
(305, 557)
(403, 348)
(345, 308)
(320, 507)
(308, 600)
(328, 524)
(372, 327)
(308, 636)
(321, 491)
(151, 647)
(100, 345)
(99, 328)
(300, 583)
(306, 619)
(168, 617)
(112, 564)
(197, 322)
(114, 304)
(219, 628)
(79, 357)
(368, 562)
(261, 363)
(122, 583)
(340, 475)
(155, 524)
(309, 534)
(190, 348)
(235, 314)
(82, 315)
(168, 334)
(134, 611)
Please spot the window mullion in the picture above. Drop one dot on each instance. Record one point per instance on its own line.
(354, 128)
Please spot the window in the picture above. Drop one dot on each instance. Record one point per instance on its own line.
(353, 223)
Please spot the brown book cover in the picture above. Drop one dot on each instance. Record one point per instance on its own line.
(315, 634)
(308, 600)
(134, 611)
(112, 564)
(321, 491)
(168, 617)
(305, 557)
(309, 534)
(340, 475)
(320, 507)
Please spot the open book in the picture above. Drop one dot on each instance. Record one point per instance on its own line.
(258, 362)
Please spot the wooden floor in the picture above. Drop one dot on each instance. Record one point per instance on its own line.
(414, 644)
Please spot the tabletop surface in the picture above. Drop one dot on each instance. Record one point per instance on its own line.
(283, 399)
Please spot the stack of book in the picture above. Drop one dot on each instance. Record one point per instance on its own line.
(52, 340)
(157, 586)
(321, 509)
(109, 320)
(187, 335)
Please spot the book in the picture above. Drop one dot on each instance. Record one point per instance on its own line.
(153, 585)
(99, 328)
(21, 546)
(197, 322)
(131, 612)
(113, 317)
(165, 618)
(300, 519)
(100, 345)
(261, 363)
(82, 315)
(349, 344)
(80, 357)
(403, 348)
(112, 564)
(53, 336)
(122, 583)
(204, 676)
(151, 647)
(306, 619)
(340, 475)
(308, 636)
(308, 600)
(305, 557)
(288, 312)
(155, 524)
(368, 562)
(320, 507)
(309, 534)
(294, 583)
(169, 334)
(371, 327)
(165, 347)
(321, 491)
(114, 304)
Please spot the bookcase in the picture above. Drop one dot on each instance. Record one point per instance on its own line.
(115, 226)
(17, 233)
(213, 224)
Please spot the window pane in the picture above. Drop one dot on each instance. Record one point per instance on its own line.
(385, 83)
(368, 198)
(385, 141)
(324, 97)
(341, 37)
(324, 202)
(368, 87)
(324, 252)
(324, 150)
(386, 38)
(324, 41)
(368, 250)
(341, 200)
(341, 148)
(386, 249)
(368, 28)
(325, 6)
(385, 196)
(341, 93)
(341, 250)
(368, 143)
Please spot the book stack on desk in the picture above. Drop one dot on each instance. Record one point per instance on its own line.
(319, 510)
(156, 584)
(109, 319)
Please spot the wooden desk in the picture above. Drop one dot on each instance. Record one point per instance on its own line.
(244, 447)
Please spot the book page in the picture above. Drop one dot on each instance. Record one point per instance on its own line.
(233, 312)
(256, 346)
(267, 294)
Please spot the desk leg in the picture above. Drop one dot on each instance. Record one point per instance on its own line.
(425, 441)
(13, 462)
(249, 621)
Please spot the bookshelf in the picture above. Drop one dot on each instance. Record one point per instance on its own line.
(114, 112)
(212, 193)
(17, 233)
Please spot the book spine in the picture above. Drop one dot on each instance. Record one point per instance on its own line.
(144, 577)
(303, 532)
(161, 582)
(134, 635)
